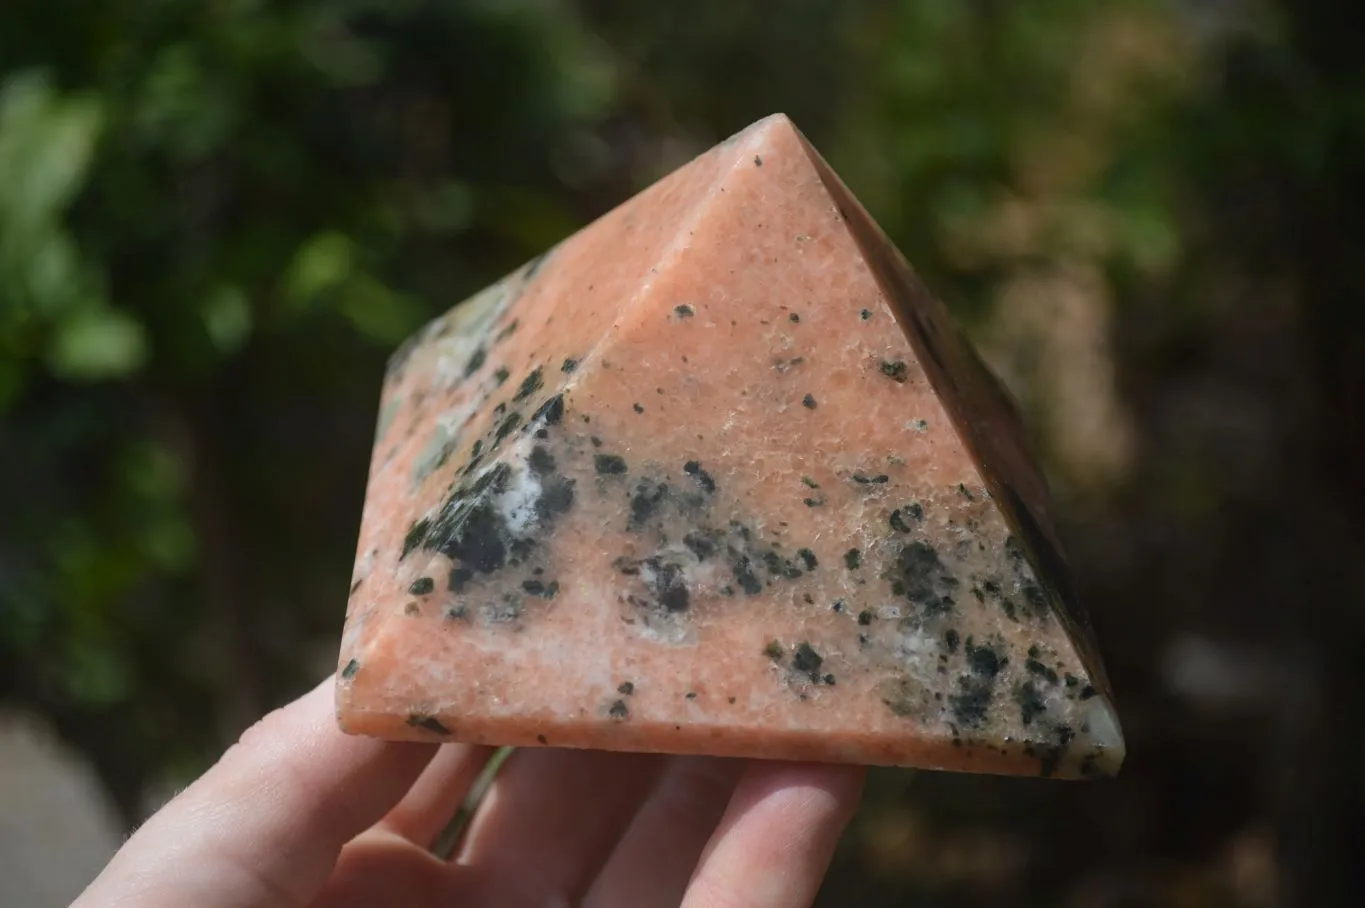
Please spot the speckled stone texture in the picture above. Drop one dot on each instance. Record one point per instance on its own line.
(717, 475)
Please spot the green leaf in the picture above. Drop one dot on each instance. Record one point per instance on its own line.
(96, 343)
(447, 209)
(320, 265)
(96, 673)
(46, 145)
(1150, 236)
(227, 318)
(378, 313)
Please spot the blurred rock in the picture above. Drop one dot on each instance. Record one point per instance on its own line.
(57, 829)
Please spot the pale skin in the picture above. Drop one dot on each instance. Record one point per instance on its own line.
(299, 815)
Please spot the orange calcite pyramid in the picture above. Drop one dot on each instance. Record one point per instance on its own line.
(717, 475)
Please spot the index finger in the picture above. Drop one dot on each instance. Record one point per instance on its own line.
(265, 824)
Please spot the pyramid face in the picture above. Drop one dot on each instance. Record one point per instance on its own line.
(717, 475)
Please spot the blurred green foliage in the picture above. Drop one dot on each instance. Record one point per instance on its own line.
(216, 219)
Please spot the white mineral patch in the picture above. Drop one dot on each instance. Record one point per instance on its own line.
(472, 317)
(432, 451)
(364, 565)
(386, 415)
(517, 505)
(704, 578)
(916, 649)
(1100, 729)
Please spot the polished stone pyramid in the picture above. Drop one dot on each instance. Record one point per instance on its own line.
(717, 475)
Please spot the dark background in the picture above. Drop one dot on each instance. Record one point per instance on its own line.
(218, 216)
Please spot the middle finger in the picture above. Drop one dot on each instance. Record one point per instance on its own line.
(552, 817)
(437, 794)
(653, 862)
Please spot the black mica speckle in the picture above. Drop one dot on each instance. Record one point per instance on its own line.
(853, 559)
(414, 537)
(569, 365)
(684, 311)
(902, 518)
(920, 576)
(1033, 593)
(700, 544)
(1049, 757)
(807, 558)
(625, 687)
(637, 408)
(746, 578)
(458, 578)
(645, 501)
(669, 586)
(477, 539)
(1038, 668)
(863, 479)
(506, 428)
(556, 497)
(618, 709)
(808, 402)
(541, 461)
(609, 464)
(971, 703)
(896, 371)
(984, 661)
(704, 479)
(552, 411)
(350, 670)
(530, 385)
(476, 361)
(779, 566)
(807, 661)
(422, 586)
(430, 723)
(1031, 703)
(469, 528)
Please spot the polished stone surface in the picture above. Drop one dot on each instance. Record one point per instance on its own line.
(717, 475)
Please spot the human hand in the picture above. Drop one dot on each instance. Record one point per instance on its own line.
(297, 814)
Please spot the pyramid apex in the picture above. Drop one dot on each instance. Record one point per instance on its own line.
(774, 123)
